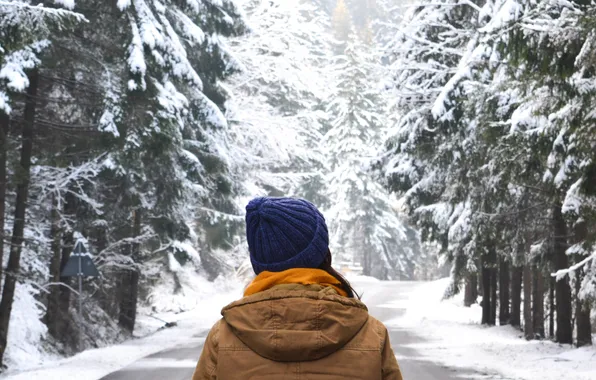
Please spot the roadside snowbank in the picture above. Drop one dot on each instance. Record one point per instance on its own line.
(27, 332)
(96, 363)
(361, 278)
(456, 338)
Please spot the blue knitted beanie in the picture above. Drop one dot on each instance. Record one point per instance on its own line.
(285, 233)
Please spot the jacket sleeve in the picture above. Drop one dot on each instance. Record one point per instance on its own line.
(390, 368)
(207, 365)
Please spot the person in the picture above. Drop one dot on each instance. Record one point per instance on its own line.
(299, 318)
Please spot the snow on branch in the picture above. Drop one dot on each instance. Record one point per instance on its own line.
(40, 9)
(463, 72)
(68, 4)
(438, 4)
(57, 182)
(560, 274)
(15, 65)
(123, 4)
(218, 215)
(111, 256)
(430, 46)
(44, 288)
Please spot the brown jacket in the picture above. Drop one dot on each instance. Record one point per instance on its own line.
(302, 332)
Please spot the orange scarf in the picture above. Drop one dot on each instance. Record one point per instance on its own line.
(305, 276)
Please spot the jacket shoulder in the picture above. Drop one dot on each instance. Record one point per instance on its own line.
(371, 337)
(226, 338)
(212, 340)
(378, 326)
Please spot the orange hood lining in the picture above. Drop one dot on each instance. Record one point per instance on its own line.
(304, 276)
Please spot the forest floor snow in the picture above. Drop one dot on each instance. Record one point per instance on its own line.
(455, 338)
(93, 364)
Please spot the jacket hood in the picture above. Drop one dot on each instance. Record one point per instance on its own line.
(296, 322)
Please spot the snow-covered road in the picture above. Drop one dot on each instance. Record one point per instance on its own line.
(179, 363)
(388, 301)
(172, 364)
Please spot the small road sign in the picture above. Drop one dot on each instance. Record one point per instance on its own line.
(80, 263)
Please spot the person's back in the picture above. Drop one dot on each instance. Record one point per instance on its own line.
(296, 320)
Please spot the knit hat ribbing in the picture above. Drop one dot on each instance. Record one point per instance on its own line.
(285, 233)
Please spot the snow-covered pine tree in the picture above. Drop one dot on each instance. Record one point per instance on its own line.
(545, 95)
(25, 32)
(363, 222)
(506, 204)
(429, 149)
(133, 109)
(388, 21)
(170, 166)
(481, 159)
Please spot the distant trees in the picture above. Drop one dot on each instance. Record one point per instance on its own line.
(491, 152)
(364, 222)
(293, 86)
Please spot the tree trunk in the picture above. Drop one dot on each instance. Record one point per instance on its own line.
(486, 306)
(479, 279)
(366, 259)
(108, 301)
(128, 302)
(471, 290)
(504, 314)
(528, 323)
(62, 320)
(493, 295)
(516, 288)
(4, 124)
(564, 331)
(582, 315)
(130, 282)
(67, 248)
(475, 287)
(22, 180)
(538, 303)
(551, 309)
(53, 308)
(492, 292)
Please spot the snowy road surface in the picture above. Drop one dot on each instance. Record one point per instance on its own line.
(179, 363)
(413, 366)
(173, 364)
